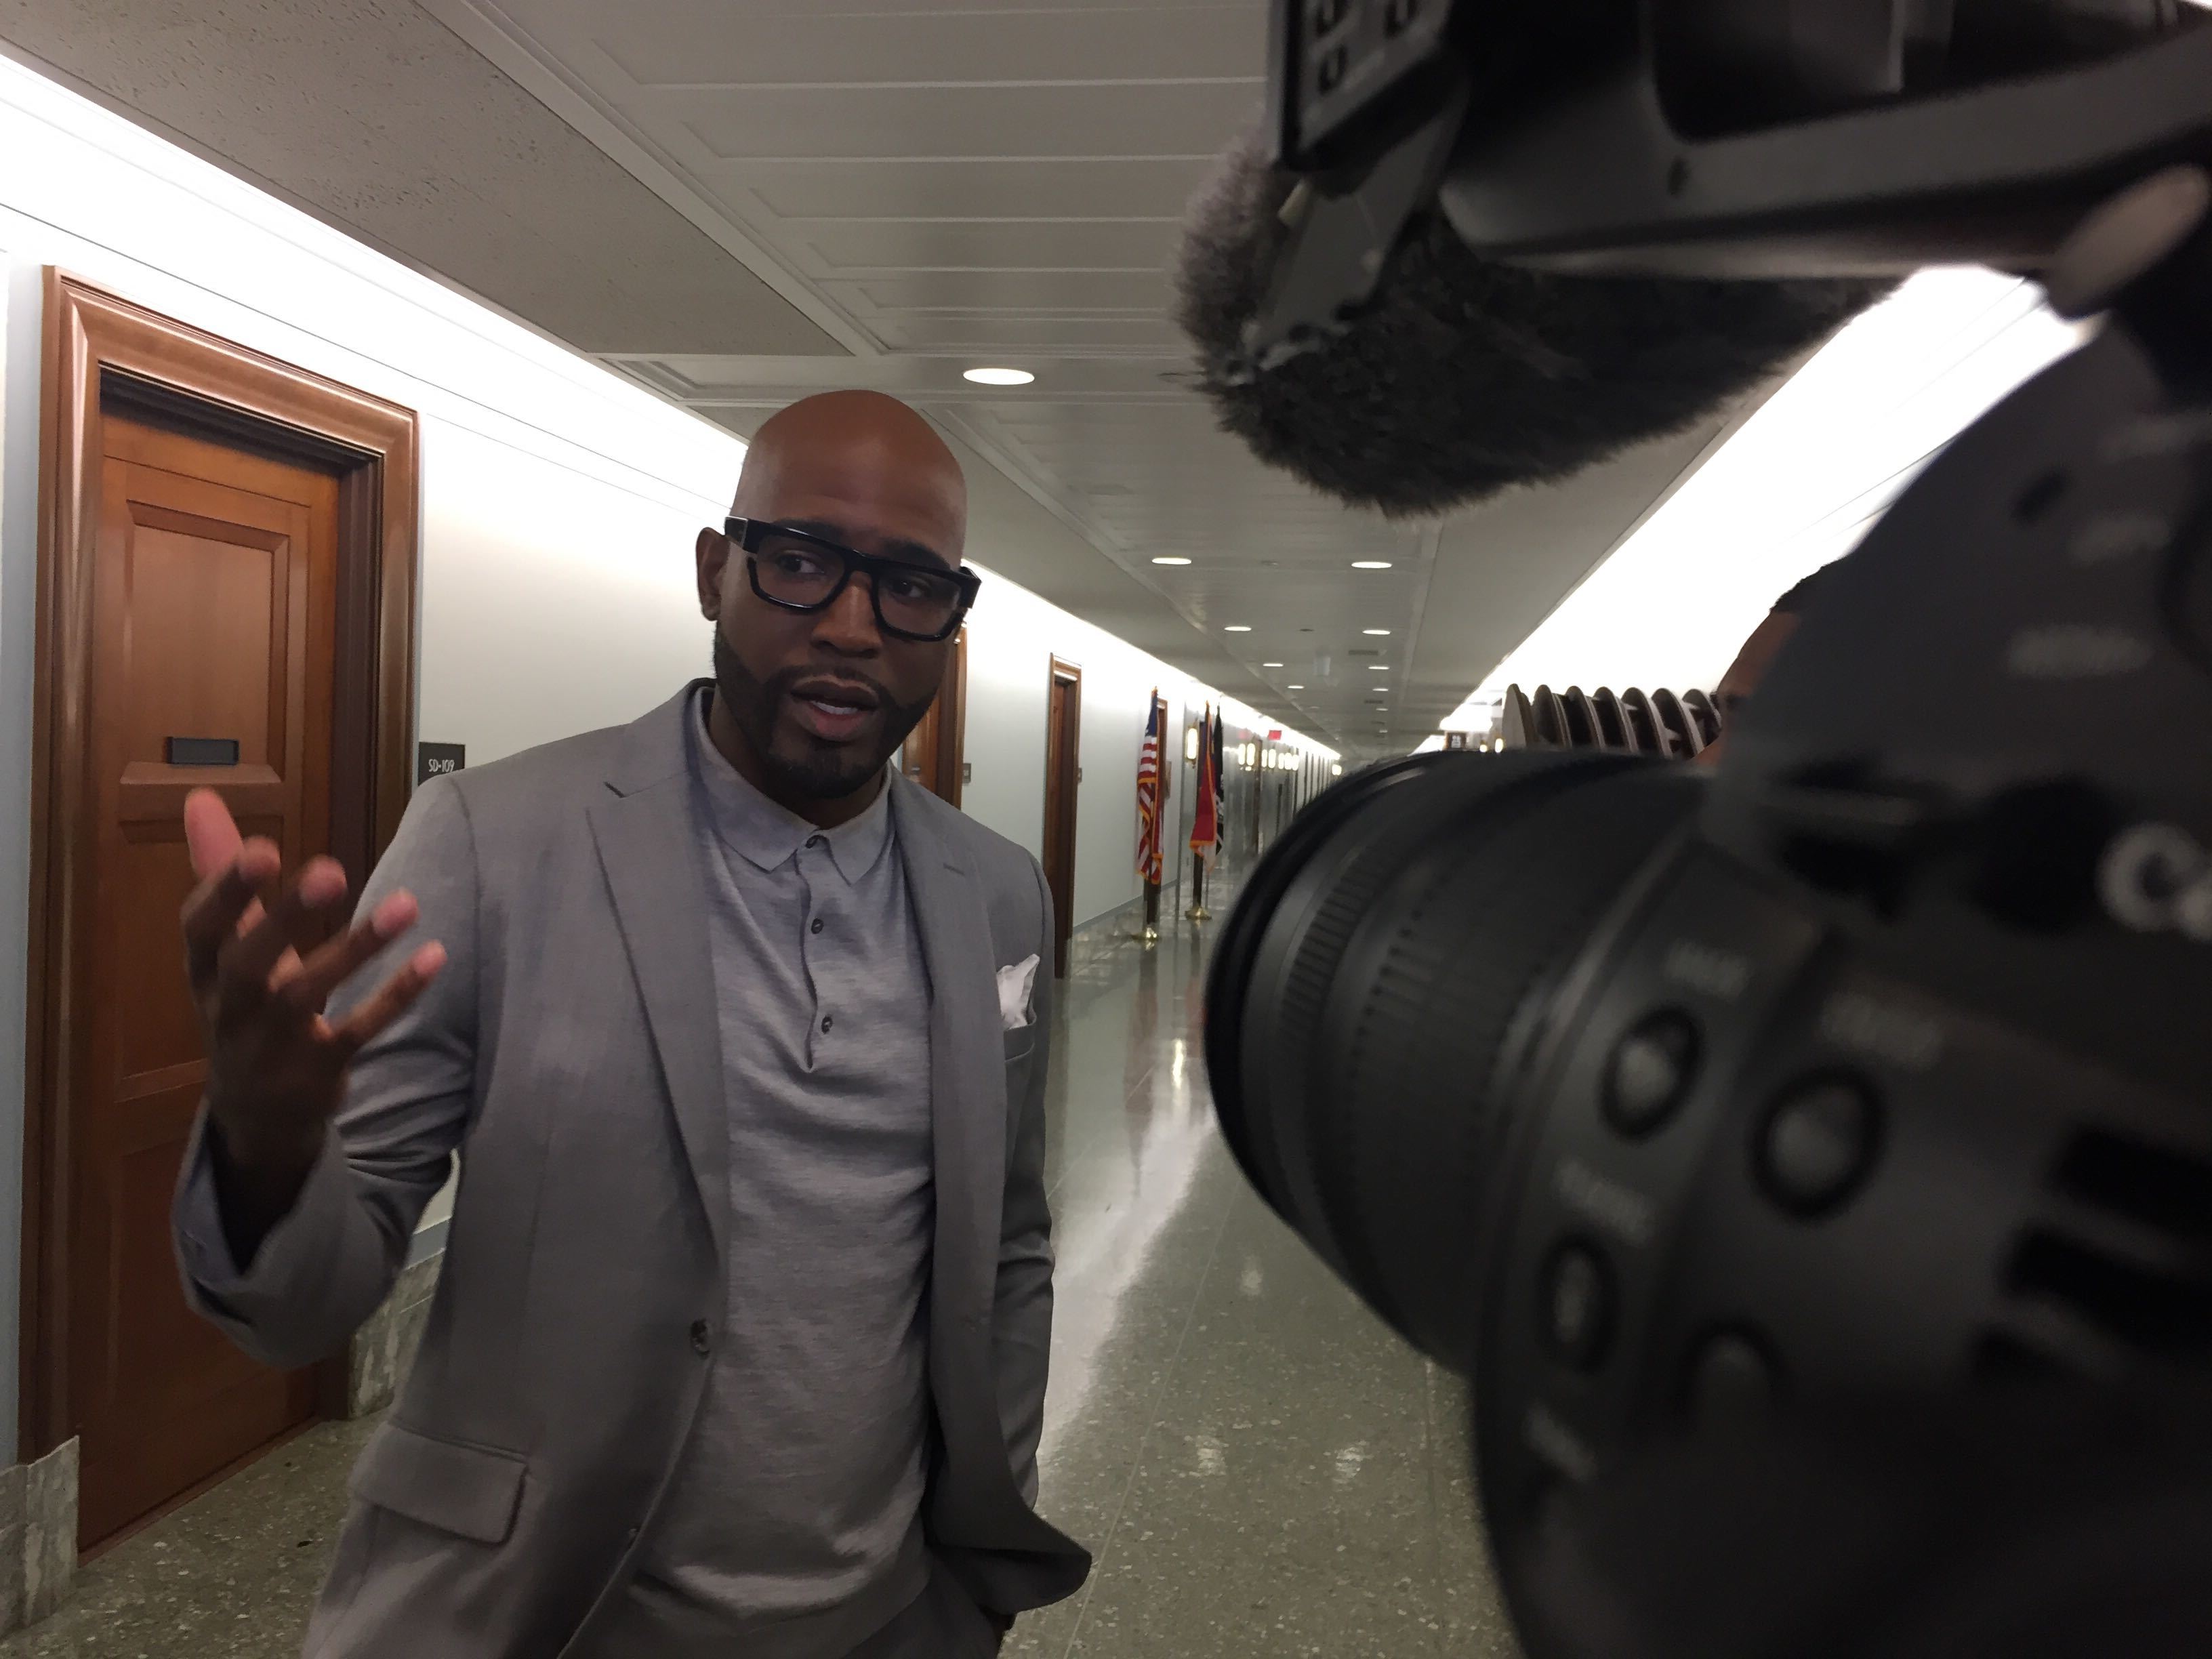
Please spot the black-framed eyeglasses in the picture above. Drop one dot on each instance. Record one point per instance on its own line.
(801, 571)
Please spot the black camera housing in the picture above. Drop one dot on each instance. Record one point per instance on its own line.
(1813, 1155)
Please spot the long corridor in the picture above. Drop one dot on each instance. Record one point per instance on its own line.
(1261, 1468)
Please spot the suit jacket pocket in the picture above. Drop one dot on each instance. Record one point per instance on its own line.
(471, 1492)
(1020, 1041)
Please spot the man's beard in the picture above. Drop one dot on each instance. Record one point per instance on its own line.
(820, 772)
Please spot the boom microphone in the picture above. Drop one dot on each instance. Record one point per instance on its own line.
(1466, 376)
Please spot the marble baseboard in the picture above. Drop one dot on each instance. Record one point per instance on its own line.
(385, 1347)
(49, 1531)
(1100, 940)
(1122, 919)
(39, 1500)
(38, 1536)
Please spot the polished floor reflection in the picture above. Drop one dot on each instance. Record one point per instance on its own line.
(1259, 1467)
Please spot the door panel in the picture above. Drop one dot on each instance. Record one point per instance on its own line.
(208, 667)
(153, 877)
(215, 609)
(1063, 772)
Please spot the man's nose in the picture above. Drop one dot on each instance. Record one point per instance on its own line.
(849, 623)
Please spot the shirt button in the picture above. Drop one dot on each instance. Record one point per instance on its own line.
(825, 1022)
(814, 841)
(816, 927)
(702, 1341)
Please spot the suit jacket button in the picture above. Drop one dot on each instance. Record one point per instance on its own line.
(702, 1339)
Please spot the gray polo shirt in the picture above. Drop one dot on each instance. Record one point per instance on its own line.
(794, 1530)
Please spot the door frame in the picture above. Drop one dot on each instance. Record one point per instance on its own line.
(940, 770)
(953, 722)
(1055, 791)
(101, 351)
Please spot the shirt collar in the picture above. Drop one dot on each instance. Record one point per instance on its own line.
(767, 834)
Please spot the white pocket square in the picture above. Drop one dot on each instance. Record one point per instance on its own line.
(1016, 984)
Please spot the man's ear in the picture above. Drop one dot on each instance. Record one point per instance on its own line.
(713, 559)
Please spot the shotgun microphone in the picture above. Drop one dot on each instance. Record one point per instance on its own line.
(1465, 376)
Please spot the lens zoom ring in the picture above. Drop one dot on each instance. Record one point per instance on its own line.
(1470, 938)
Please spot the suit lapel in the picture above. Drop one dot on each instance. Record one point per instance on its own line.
(967, 1063)
(649, 848)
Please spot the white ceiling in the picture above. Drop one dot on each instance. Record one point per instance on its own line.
(739, 201)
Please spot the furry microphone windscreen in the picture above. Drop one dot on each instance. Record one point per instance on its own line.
(1466, 376)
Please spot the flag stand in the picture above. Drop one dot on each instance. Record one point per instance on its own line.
(1198, 912)
(1149, 934)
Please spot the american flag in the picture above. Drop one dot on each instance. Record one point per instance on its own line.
(1148, 796)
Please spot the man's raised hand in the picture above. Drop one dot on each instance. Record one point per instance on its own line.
(277, 1066)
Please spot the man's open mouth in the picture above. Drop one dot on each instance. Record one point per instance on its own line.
(834, 710)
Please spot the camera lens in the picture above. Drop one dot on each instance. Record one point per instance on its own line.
(1368, 994)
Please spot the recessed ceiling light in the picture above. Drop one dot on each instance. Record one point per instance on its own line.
(999, 376)
(1237, 628)
(1371, 564)
(1169, 559)
(1376, 633)
(1295, 688)
(1271, 665)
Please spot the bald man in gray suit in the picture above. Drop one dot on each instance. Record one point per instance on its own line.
(740, 1342)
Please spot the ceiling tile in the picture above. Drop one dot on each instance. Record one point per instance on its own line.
(982, 332)
(690, 43)
(973, 188)
(1151, 119)
(1145, 292)
(850, 247)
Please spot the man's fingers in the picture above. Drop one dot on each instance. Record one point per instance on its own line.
(308, 984)
(211, 833)
(214, 913)
(393, 999)
(250, 960)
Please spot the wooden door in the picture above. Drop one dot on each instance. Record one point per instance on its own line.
(213, 627)
(1063, 771)
(226, 557)
(934, 755)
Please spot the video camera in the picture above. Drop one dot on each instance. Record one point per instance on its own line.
(1808, 1161)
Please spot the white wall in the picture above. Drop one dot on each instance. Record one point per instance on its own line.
(552, 603)
(19, 460)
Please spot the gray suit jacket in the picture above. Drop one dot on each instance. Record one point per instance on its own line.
(570, 1052)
